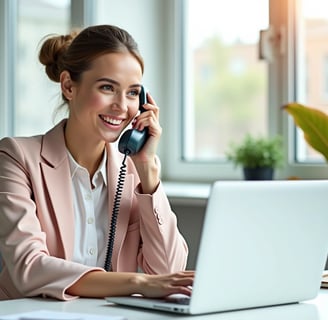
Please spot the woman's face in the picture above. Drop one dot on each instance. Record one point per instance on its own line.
(106, 98)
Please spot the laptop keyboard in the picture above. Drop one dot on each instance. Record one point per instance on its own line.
(179, 299)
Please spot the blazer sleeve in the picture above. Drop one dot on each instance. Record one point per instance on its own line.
(29, 269)
(163, 249)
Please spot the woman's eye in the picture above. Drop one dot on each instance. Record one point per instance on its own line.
(107, 87)
(134, 93)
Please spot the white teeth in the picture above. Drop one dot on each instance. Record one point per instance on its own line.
(111, 120)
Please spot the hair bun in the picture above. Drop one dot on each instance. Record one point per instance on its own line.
(52, 51)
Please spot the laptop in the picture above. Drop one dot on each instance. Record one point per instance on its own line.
(263, 243)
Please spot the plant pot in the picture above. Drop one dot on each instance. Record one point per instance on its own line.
(259, 173)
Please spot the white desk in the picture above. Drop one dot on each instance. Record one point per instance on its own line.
(316, 309)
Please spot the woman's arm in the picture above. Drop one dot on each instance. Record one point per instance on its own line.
(98, 284)
(164, 250)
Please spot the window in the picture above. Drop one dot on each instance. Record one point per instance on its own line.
(36, 96)
(313, 63)
(226, 91)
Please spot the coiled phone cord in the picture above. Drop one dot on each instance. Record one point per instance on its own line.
(116, 208)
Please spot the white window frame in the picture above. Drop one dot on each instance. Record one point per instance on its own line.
(82, 14)
(7, 66)
(281, 79)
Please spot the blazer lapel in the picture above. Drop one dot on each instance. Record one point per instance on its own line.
(57, 175)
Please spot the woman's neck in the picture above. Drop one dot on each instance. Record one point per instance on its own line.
(85, 152)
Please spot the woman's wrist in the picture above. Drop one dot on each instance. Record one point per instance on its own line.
(101, 284)
(137, 282)
(149, 174)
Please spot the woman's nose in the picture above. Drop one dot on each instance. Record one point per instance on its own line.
(120, 102)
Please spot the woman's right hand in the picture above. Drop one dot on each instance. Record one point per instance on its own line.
(156, 286)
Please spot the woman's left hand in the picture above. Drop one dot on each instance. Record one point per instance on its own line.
(148, 119)
(145, 160)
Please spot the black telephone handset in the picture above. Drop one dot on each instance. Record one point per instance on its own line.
(130, 143)
(133, 140)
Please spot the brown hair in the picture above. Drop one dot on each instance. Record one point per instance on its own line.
(76, 51)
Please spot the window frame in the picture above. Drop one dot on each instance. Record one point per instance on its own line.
(283, 88)
(291, 72)
(82, 13)
(281, 72)
(8, 10)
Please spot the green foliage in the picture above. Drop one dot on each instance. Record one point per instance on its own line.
(257, 152)
(314, 124)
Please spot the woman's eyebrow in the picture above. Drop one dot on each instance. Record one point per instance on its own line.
(108, 80)
(137, 85)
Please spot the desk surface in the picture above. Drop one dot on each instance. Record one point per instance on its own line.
(316, 309)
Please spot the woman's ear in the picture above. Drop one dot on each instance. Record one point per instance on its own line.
(66, 84)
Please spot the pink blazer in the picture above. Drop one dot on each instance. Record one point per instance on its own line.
(37, 220)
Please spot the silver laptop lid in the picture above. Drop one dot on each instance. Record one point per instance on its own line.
(263, 243)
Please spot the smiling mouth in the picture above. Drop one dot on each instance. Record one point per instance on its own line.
(109, 120)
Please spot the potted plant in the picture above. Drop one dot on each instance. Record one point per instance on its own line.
(314, 124)
(258, 156)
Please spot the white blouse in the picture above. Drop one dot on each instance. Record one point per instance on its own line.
(90, 213)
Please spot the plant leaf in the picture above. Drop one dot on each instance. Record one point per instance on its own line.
(314, 124)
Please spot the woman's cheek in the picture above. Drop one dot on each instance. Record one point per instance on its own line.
(133, 110)
(97, 101)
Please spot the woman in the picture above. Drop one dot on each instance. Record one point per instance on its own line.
(57, 190)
